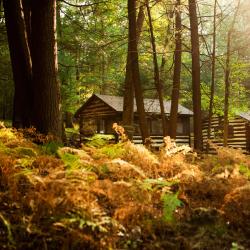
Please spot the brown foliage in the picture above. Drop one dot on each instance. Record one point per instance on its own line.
(116, 203)
(236, 207)
(47, 165)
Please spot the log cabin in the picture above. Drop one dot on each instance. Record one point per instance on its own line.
(99, 112)
(238, 131)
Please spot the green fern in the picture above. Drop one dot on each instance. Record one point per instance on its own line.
(99, 140)
(245, 171)
(51, 147)
(170, 203)
(113, 151)
(71, 161)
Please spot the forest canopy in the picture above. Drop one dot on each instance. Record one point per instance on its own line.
(93, 40)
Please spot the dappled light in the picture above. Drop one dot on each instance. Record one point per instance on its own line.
(124, 124)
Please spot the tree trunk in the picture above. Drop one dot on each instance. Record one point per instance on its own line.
(58, 19)
(134, 67)
(128, 104)
(20, 60)
(198, 143)
(27, 18)
(77, 64)
(68, 119)
(177, 73)
(211, 104)
(227, 78)
(227, 89)
(104, 85)
(164, 57)
(158, 83)
(47, 116)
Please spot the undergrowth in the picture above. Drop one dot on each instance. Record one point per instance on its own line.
(99, 140)
(170, 204)
(119, 196)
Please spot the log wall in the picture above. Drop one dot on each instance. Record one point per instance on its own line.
(238, 133)
(97, 108)
(157, 140)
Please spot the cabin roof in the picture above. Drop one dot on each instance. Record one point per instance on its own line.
(245, 115)
(151, 105)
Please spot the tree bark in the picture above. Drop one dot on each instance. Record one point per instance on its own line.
(227, 78)
(27, 18)
(157, 80)
(47, 115)
(58, 19)
(128, 103)
(77, 64)
(134, 68)
(21, 63)
(164, 57)
(68, 119)
(177, 72)
(227, 90)
(103, 69)
(198, 143)
(211, 104)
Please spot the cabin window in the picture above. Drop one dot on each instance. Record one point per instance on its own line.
(180, 128)
(156, 127)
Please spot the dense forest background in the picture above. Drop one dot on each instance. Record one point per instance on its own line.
(92, 41)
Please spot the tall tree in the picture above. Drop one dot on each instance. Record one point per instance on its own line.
(128, 104)
(211, 103)
(167, 41)
(227, 76)
(177, 71)
(20, 60)
(134, 68)
(46, 109)
(195, 75)
(26, 4)
(157, 80)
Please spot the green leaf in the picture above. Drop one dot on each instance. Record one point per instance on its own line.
(170, 203)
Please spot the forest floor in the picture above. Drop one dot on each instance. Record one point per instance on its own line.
(120, 196)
